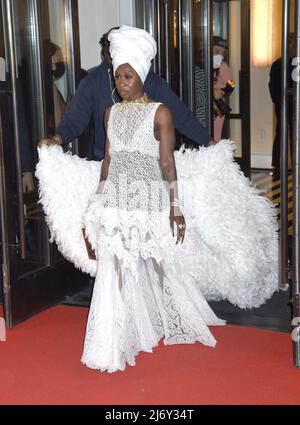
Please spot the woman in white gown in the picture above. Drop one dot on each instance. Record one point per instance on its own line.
(154, 266)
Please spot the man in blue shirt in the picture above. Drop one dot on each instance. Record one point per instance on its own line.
(96, 92)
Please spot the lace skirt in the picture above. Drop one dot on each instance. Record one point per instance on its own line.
(142, 292)
(132, 310)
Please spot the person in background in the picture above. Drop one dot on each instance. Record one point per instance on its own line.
(97, 92)
(58, 71)
(221, 76)
(275, 92)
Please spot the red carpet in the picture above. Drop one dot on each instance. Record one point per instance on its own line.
(40, 364)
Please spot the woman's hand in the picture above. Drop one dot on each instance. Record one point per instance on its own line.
(176, 218)
(219, 94)
(28, 182)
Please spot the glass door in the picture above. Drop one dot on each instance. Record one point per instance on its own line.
(184, 30)
(231, 21)
(201, 75)
(41, 78)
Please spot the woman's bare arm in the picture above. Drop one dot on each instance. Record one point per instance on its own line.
(106, 160)
(165, 133)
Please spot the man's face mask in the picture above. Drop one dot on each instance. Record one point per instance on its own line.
(217, 60)
(58, 69)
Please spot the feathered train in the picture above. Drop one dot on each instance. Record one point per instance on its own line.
(231, 245)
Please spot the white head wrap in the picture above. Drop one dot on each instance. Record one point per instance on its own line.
(134, 46)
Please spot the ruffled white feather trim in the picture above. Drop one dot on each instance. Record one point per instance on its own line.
(231, 245)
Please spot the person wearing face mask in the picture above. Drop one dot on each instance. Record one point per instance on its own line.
(58, 71)
(221, 75)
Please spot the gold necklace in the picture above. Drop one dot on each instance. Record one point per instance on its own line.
(144, 100)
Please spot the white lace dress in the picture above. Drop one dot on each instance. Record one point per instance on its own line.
(141, 292)
(146, 286)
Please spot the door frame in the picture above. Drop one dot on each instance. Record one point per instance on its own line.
(244, 89)
(28, 293)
